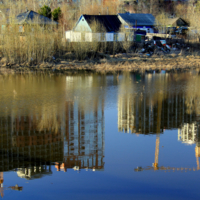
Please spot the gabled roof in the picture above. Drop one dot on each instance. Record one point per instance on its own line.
(110, 22)
(31, 17)
(173, 21)
(141, 18)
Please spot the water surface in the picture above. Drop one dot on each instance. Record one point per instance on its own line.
(128, 136)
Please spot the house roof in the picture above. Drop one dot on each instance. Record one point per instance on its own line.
(31, 17)
(172, 21)
(110, 22)
(142, 19)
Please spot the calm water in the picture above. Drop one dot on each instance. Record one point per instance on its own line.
(127, 136)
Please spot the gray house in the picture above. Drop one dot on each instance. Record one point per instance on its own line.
(138, 21)
(29, 18)
(33, 18)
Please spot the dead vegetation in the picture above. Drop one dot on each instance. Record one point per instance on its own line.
(120, 62)
(36, 45)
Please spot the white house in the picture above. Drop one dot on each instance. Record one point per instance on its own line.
(108, 29)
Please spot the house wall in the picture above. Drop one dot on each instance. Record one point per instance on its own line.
(72, 36)
(96, 37)
(121, 37)
(6, 27)
(109, 37)
(88, 37)
(148, 30)
(82, 26)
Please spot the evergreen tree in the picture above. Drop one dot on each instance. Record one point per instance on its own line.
(56, 14)
(45, 11)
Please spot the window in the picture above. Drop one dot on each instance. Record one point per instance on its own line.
(21, 29)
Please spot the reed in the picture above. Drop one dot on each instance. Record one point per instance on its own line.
(36, 44)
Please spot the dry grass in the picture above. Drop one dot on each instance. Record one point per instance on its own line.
(120, 62)
(37, 44)
(131, 62)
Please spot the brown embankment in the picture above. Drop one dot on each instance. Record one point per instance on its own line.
(110, 64)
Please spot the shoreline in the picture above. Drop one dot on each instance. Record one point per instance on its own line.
(130, 62)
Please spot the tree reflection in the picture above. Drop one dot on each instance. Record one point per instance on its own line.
(49, 120)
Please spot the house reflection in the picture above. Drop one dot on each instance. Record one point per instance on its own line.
(159, 102)
(84, 144)
(34, 172)
(84, 125)
(67, 132)
(190, 134)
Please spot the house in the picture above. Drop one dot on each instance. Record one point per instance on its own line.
(100, 28)
(176, 22)
(138, 21)
(173, 26)
(30, 18)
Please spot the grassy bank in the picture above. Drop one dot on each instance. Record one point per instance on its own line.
(110, 64)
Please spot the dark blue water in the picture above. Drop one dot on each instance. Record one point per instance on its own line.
(128, 136)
